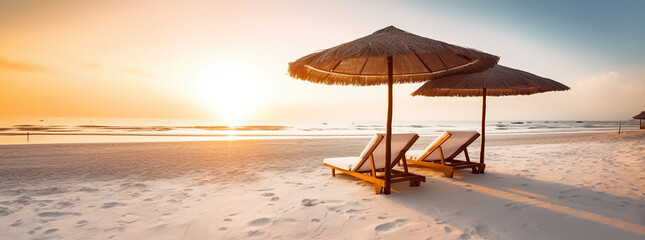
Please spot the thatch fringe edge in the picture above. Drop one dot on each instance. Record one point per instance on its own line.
(479, 92)
(308, 73)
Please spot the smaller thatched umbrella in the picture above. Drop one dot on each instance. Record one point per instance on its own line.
(496, 81)
(640, 118)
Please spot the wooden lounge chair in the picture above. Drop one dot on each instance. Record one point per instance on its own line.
(442, 151)
(370, 165)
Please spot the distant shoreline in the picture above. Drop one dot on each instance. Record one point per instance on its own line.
(7, 139)
(102, 133)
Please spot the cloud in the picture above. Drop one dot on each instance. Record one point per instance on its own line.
(22, 66)
(139, 72)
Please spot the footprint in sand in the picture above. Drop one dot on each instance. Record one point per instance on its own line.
(222, 229)
(49, 191)
(269, 194)
(112, 204)
(350, 211)
(273, 199)
(481, 230)
(34, 230)
(315, 220)
(64, 204)
(256, 233)
(309, 202)
(447, 229)
(513, 207)
(129, 218)
(81, 223)
(17, 223)
(259, 222)
(335, 208)
(5, 211)
(57, 214)
(384, 227)
(53, 230)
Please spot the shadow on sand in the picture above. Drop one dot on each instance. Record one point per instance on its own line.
(495, 205)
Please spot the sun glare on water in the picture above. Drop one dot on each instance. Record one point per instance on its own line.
(233, 90)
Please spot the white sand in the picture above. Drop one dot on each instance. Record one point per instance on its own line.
(535, 187)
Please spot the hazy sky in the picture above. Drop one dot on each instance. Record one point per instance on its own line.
(227, 60)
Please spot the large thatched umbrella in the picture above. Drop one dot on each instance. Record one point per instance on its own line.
(640, 118)
(388, 56)
(497, 81)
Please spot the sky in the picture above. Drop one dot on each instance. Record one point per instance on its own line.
(226, 61)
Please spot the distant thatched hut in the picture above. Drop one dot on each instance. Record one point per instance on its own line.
(640, 118)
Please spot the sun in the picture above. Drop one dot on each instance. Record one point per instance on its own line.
(233, 90)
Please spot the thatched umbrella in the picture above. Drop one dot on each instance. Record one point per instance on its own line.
(497, 81)
(388, 56)
(640, 118)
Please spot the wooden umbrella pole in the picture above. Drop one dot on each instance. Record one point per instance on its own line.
(481, 152)
(388, 131)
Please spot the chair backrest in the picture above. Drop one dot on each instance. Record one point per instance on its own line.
(401, 142)
(371, 145)
(455, 143)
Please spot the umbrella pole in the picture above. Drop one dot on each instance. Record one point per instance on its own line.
(388, 131)
(481, 152)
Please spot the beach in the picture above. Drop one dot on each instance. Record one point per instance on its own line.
(274, 119)
(536, 186)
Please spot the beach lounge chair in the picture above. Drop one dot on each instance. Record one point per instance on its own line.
(441, 153)
(370, 165)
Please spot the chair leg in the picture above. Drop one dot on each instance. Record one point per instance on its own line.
(386, 190)
(414, 183)
(475, 170)
(481, 169)
(333, 172)
(447, 172)
(378, 188)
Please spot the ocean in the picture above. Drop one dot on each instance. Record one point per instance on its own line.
(62, 130)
